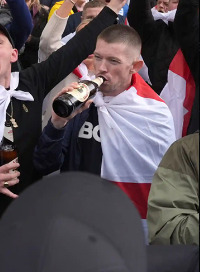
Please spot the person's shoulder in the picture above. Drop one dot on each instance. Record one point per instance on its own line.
(191, 142)
(145, 90)
(75, 16)
(74, 20)
(187, 147)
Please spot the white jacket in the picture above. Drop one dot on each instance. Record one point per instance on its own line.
(50, 41)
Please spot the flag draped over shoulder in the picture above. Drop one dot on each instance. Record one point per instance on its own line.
(136, 131)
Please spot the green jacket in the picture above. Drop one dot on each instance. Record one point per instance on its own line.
(173, 205)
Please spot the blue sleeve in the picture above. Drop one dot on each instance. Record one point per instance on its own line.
(52, 148)
(21, 26)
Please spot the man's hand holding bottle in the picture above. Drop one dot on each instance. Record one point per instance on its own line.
(59, 122)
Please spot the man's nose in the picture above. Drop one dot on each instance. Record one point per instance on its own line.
(103, 66)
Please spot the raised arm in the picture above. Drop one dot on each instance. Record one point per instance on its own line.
(187, 30)
(21, 25)
(50, 40)
(141, 19)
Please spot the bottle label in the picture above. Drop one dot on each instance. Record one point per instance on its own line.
(8, 133)
(13, 161)
(82, 93)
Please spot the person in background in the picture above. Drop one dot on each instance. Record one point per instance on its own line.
(182, 89)
(21, 24)
(173, 204)
(90, 11)
(22, 95)
(186, 27)
(18, 22)
(5, 14)
(162, 6)
(168, 71)
(39, 16)
(173, 4)
(159, 42)
(164, 11)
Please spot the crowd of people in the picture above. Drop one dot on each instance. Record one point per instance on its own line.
(140, 132)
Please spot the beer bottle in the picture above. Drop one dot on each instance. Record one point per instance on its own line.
(8, 152)
(65, 104)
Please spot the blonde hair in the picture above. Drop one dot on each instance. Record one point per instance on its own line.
(34, 3)
(84, 22)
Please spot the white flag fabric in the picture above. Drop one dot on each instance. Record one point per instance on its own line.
(136, 130)
(166, 17)
(179, 93)
(5, 96)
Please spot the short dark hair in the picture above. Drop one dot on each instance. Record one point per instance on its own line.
(122, 34)
(93, 4)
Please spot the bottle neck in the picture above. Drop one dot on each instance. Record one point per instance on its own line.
(8, 135)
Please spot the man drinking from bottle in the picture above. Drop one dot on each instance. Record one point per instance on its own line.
(123, 134)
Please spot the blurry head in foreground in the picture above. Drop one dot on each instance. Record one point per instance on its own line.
(72, 222)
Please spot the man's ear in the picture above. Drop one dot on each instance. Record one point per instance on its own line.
(14, 56)
(137, 65)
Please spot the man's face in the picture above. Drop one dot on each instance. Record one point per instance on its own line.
(173, 4)
(162, 6)
(7, 55)
(91, 13)
(113, 62)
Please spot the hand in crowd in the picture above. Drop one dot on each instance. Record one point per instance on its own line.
(7, 178)
(59, 122)
(2, 3)
(116, 5)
